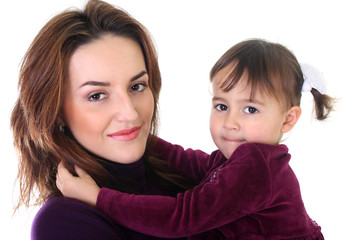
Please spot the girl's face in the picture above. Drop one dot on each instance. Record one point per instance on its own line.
(235, 119)
(107, 103)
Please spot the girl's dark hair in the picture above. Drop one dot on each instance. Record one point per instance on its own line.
(272, 68)
(36, 117)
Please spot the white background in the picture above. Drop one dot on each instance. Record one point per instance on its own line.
(190, 36)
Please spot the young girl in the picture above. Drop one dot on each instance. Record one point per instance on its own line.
(247, 189)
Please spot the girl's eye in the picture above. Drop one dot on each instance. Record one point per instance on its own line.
(138, 87)
(221, 107)
(250, 110)
(97, 97)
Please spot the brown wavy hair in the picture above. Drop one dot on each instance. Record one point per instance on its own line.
(36, 117)
(272, 68)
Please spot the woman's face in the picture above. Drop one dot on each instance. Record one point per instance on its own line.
(107, 103)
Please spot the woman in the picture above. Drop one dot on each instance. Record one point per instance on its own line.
(89, 87)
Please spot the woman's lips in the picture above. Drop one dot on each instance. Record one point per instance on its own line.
(126, 134)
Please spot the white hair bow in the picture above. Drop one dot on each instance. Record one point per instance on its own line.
(313, 78)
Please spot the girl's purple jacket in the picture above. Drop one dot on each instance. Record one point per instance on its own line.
(252, 195)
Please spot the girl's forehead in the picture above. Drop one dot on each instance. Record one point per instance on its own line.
(225, 72)
(223, 78)
(240, 90)
(219, 84)
(243, 89)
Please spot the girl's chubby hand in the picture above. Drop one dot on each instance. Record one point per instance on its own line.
(82, 188)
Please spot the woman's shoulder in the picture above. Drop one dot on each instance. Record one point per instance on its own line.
(61, 208)
(65, 218)
(56, 204)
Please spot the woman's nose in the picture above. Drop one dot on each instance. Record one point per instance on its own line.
(125, 110)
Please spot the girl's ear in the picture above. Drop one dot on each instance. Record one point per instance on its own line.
(291, 119)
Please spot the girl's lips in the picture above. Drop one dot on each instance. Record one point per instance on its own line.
(233, 140)
(126, 134)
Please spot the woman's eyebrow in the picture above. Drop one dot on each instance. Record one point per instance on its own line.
(94, 83)
(137, 76)
(105, 84)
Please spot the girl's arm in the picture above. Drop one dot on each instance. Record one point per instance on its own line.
(192, 163)
(189, 162)
(82, 188)
(235, 191)
(241, 187)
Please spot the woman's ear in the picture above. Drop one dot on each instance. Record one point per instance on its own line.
(291, 119)
(60, 120)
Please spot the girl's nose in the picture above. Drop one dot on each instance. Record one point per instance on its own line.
(125, 110)
(232, 121)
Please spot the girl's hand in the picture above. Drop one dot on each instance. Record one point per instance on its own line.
(82, 188)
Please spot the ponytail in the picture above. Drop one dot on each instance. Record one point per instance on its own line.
(323, 104)
(314, 82)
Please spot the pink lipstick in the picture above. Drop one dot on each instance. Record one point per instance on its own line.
(126, 134)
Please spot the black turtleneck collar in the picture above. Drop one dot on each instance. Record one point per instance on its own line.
(134, 171)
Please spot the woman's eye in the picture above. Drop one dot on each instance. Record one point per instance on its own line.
(250, 110)
(221, 107)
(138, 87)
(97, 97)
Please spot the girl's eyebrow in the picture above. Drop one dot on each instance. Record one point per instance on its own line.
(253, 101)
(106, 84)
(214, 99)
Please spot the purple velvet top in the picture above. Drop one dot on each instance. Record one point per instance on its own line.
(65, 218)
(252, 195)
